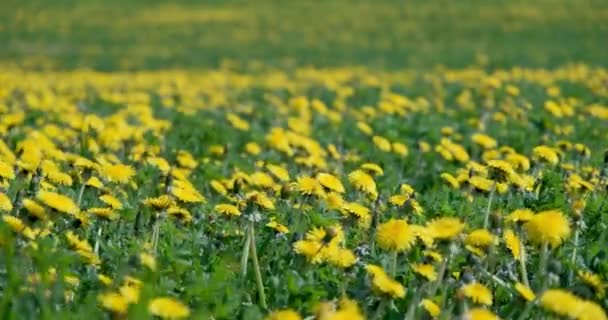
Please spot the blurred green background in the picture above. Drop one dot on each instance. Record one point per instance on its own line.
(138, 34)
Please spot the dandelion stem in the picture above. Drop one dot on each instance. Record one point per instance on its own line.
(486, 219)
(439, 281)
(524, 314)
(99, 231)
(380, 310)
(156, 233)
(573, 256)
(394, 264)
(256, 267)
(245, 254)
(80, 193)
(411, 309)
(542, 265)
(522, 263)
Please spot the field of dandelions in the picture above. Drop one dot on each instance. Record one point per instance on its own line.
(324, 186)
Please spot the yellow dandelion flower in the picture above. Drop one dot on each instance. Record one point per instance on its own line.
(594, 281)
(58, 177)
(478, 293)
(347, 310)
(513, 243)
(113, 302)
(227, 209)
(287, 314)
(361, 212)
(5, 202)
(95, 183)
(161, 163)
(548, 227)
(119, 173)
(186, 160)
(525, 291)
(500, 170)
(6, 171)
(382, 143)
(237, 122)
(451, 180)
(105, 213)
(279, 172)
(518, 161)
(159, 203)
(281, 228)
(168, 308)
(340, 257)
(330, 182)
(148, 260)
(560, 302)
(484, 140)
(334, 200)
(589, 310)
(520, 215)
(58, 202)
(395, 235)
(35, 209)
(423, 234)
(400, 149)
(308, 186)
(261, 199)
(365, 128)
(426, 270)
(482, 184)
(399, 199)
(218, 187)
(480, 314)
(480, 238)
(187, 194)
(445, 228)
(111, 201)
(180, 213)
(253, 148)
(431, 307)
(546, 154)
(312, 250)
(383, 283)
(372, 168)
(105, 280)
(130, 293)
(261, 179)
(364, 182)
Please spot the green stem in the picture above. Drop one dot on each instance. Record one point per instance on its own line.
(522, 263)
(542, 265)
(486, 219)
(411, 309)
(80, 193)
(156, 233)
(96, 250)
(573, 256)
(256, 267)
(524, 314)
(393, 269)
(245, 254)
(442, 269)
(380, 310)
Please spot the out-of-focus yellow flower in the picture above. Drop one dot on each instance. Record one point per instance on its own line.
(445, 228)
(548, 227)
(395, 235)
(478, 293)
(383, 283)
(168, 308)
